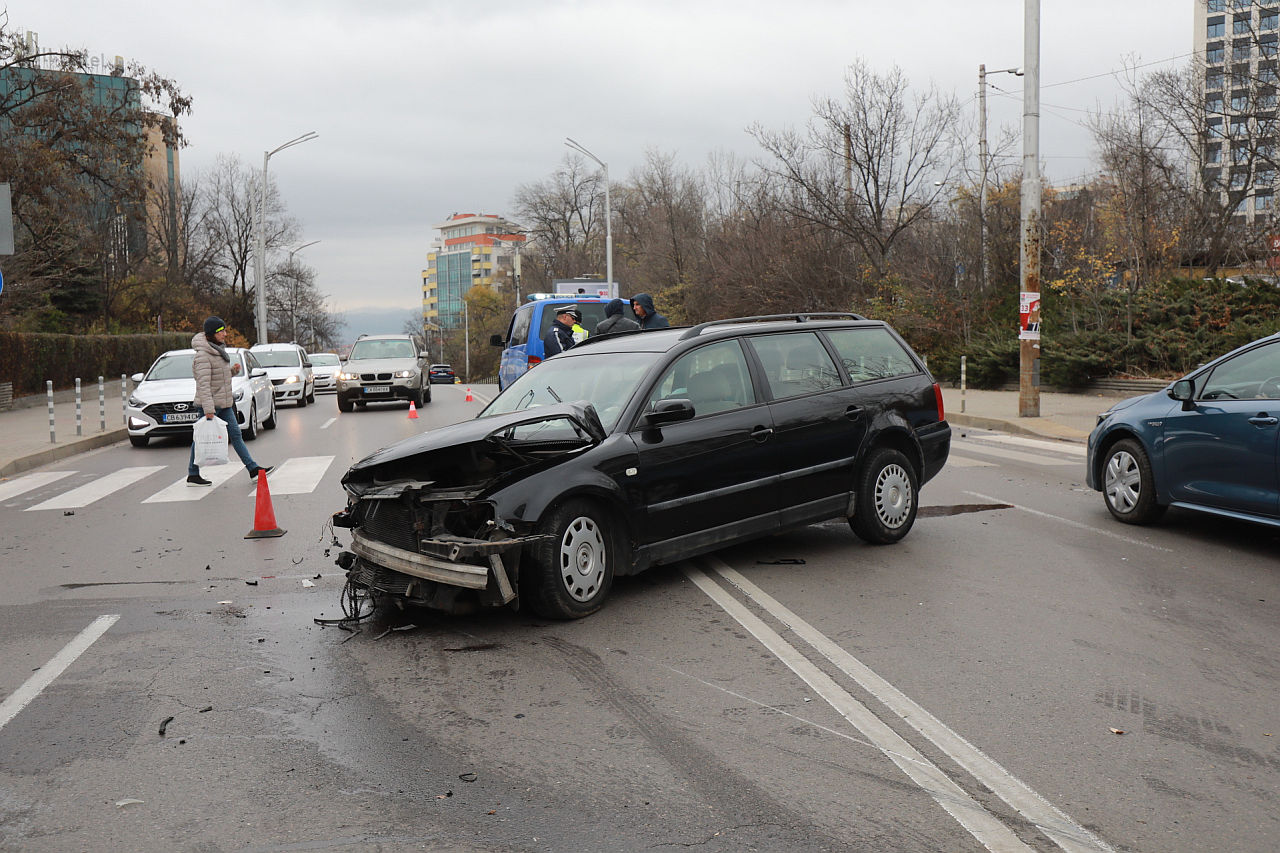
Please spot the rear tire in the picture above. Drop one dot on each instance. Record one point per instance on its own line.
(139, 440)
(1128, 485)
(885, 498)
(569, 575)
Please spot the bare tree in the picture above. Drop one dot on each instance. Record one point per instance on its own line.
(566, 217)
(870, 165)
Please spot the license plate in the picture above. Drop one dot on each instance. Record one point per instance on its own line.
(377, 389)
(182, 418)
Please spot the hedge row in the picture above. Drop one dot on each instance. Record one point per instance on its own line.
(28, 360)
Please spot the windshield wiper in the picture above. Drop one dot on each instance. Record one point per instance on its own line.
(554, 395)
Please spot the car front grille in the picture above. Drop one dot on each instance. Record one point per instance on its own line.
(392, 523)
(375, 377)
(277, 381)
(157, 411)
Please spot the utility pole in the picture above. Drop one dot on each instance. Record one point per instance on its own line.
(1029, 266)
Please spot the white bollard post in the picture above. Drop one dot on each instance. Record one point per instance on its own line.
(963, 365)
(48, 390)
(102, 405)
(79, 416)
(124, 399)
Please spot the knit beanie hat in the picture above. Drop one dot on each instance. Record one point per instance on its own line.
(212, 326)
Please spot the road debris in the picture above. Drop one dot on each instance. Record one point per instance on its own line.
(467, 777)
(1116, 731)
(130, 802)
(784, 561)
(164, 724)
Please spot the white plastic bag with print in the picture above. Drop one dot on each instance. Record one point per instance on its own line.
(210, 439)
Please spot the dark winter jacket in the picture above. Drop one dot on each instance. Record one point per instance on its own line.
(652, 319)
(615, 321)
(557, 339)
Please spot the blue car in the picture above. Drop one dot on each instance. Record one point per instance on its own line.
(1208, 443)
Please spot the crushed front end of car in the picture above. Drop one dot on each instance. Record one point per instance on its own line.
(426, 529)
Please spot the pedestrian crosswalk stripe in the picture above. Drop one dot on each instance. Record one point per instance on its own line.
(30, 482)
(1016, 456)
(298, 476)
(180, 491)
(98, 489)
(1039, 444)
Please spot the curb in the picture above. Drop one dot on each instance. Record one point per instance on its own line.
(62, 451)
(1015, 428)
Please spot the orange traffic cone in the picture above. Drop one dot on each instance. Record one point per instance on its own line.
(469, 399)
(264, 517)
(413, 410)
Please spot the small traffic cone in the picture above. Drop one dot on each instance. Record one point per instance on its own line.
(469, 399)
(264, 517)
(413, 411)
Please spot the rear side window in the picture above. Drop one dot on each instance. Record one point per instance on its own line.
(795, 363)
(871, 354)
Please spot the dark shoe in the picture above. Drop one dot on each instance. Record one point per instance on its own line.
(197, 480)
(261, 469)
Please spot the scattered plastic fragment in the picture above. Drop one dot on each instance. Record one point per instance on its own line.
(206, 709)
(69, 512)
(165, 724)
(1115, 731)
(251, 583)
(306, 582)
(122, 803)
(228, 601)
(467, 777)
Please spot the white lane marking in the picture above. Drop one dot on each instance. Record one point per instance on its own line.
(180, 491)
(1002, 453)
(1054, 823)
(32, 687)
(1038, 443)
(965, 462)
(98, 489)
(981, 824)
(328, 423)
(26, 483)
(297, 476)
(1070, 523)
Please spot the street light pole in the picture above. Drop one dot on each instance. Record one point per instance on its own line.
(293, 307)
(259, 265)
(608, 211)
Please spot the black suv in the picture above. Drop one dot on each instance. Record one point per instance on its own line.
(639, 449)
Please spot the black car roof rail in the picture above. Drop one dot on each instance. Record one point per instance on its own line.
(695, 331)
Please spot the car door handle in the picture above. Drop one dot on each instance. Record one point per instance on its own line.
(1263, 419)
(853, 412)
(761, 434)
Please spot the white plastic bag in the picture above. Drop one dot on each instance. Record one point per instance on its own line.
(210, 439)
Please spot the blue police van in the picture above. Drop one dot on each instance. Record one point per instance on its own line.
(522, 345)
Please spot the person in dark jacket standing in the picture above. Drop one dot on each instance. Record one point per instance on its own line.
(614, 321)
(212, 369)
(560, 336)
(646, 315)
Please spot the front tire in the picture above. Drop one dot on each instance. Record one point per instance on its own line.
(344, 405)
(885, 498)
(252, 425)
(570, 574)
(1128, 486)
(311, 397)
(270, 423)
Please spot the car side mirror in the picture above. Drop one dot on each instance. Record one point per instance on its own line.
(306, 364)
(258, 371)
(1183, 391)
(497, 341)
(669, 412)
(137, 377)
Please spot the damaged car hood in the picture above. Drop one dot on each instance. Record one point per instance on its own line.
(472, 454)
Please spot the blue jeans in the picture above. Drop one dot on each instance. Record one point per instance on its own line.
(233, 435)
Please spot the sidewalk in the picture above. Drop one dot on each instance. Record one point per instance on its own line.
(24, 429)
(25, 444)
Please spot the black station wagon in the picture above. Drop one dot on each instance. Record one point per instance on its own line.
(638, 449)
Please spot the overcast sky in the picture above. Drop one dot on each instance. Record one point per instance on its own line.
(428, 108)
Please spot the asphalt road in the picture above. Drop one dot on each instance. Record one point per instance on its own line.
(1021, 672)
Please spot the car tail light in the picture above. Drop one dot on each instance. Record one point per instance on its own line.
(534, 361)
(937, 396)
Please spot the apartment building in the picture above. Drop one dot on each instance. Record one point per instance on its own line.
(471, 249)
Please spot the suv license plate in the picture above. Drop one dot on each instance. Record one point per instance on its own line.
(182, 418)
(377, 389)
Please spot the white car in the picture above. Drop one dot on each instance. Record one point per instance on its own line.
(325, 367)
(163, 401)
(290, 372)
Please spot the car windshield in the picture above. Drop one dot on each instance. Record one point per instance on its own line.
(381, 349)
(277, 357)
(324, 359)
(605, 380)
(172, 367)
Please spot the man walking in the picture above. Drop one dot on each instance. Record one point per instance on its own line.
(213, 370)
(646, 315)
